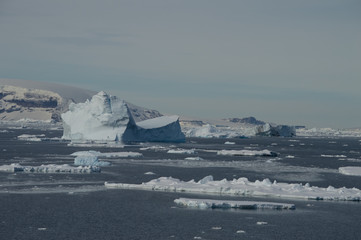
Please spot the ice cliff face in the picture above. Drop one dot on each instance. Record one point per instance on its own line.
(109, 118)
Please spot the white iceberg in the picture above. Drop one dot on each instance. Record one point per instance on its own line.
(106, 118)
(244, 187)
(50, 168)
(211, 203)
(247, 153)
(353, 171)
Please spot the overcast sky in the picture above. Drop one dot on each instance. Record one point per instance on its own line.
(282, 61)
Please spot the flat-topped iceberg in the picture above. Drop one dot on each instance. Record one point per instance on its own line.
(244, 187)
(106, 118)
(211, 203)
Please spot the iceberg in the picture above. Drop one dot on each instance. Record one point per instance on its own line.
(106, 118)
(211, 203)
(244, 187)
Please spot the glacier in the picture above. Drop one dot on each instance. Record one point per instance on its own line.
(107, 118)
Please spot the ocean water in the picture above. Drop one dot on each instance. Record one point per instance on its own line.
(77, 206)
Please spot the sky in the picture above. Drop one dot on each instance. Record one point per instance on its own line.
(282, 61)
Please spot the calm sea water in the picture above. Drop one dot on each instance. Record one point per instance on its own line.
(77, 206)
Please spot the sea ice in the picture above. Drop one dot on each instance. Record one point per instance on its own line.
(244, 187)
(353, 171)
(247, 153)
(50, 168)
(211, 203)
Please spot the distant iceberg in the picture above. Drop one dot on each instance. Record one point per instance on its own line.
(106, 118)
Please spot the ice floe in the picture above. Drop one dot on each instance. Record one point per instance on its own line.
(50, 168)
(333, 156)
(211, 203)
(229, 143)
(31, 138)
(107, 154)
(353, 171)
(193, 158)
(182, 151)
(244, 187)
(247, 153)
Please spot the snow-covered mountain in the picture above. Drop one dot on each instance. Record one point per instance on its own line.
(25, 100)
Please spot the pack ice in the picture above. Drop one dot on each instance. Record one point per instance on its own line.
(107, 118)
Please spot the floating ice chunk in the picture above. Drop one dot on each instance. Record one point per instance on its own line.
(211, 203)
(215, 228)
(31, 138)
(155, 148)
(182, 151)
(333, 156)
(121, 154)
(247, 153)
(290, 156)
(193, 158)
(51, 168)
(244, 187)
(262, 223)
(149, 173)
(107, 154)
(353, 171)
(230, 143)
(241, 231)
(89, 161)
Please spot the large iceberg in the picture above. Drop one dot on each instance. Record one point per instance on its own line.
(106, 118)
